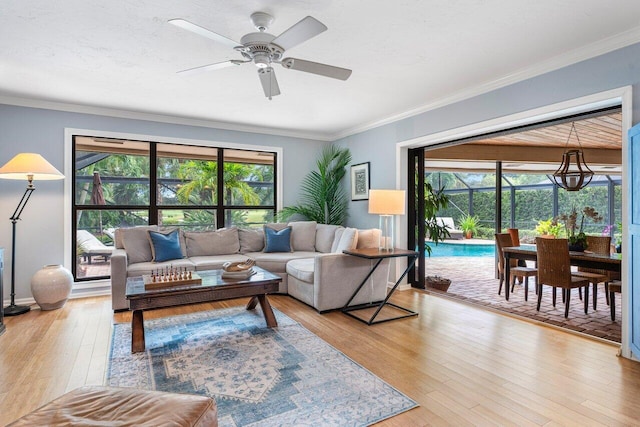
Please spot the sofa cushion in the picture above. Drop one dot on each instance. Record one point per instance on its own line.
(348, 240)
(251, 240)
(277, 241)
(301, 269)
(219, 242)
(368, 238)
(276, 262)
(135, 240)
(276, 225)
(325, 235)
(165, 247)
(142, 268)
(303, 235)
(215, 262)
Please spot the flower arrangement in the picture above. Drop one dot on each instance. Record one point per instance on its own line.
(575, 234)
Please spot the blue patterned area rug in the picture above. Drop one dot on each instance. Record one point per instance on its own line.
(285, 376)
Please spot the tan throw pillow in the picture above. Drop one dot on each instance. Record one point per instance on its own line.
(224, 241)
(135, 241)
(368, 238)
(303, 236)
(251, 240)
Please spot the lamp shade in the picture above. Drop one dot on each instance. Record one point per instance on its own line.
(30, 166)
(386, 202)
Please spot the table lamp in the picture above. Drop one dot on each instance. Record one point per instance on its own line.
(29, 166)
(386, 203)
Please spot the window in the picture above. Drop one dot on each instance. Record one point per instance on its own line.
(122, 183)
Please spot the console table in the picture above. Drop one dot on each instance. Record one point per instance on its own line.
(375, 254)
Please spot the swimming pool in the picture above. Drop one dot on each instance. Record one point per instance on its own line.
(462, 249)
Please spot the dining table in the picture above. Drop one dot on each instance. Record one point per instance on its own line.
(588, 259)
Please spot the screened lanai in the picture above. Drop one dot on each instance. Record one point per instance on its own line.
(517, 165)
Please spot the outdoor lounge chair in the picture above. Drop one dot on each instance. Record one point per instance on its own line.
(447, 221)
(91, 246)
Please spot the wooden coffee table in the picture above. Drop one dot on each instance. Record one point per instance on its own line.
(212, 288)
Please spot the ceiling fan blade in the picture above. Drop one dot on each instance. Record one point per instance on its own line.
(210, 67)
(316, 68)
(201, 31)
(269, 82)
(302, 31)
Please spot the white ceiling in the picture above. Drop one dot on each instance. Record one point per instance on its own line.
(407, 56)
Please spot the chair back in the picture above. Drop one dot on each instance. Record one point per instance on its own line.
(600, 245)
(503, 240)
(515, 236)
(554, 265)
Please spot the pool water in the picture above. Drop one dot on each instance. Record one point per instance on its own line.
(462, 249)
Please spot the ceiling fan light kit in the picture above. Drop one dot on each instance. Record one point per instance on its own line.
(264, 49)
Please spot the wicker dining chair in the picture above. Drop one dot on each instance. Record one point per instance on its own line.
(504, 240)
(615, 286)
(600, 245)
(554, 269)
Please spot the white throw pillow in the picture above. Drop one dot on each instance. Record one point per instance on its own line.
(348, 240)
(336, 239)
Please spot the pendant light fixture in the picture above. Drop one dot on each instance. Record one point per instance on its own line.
(573, 174)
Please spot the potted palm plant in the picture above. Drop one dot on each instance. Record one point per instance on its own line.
(434, 201)
(323, 197)
(469, 226)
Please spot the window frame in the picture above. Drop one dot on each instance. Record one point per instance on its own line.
(72, 208)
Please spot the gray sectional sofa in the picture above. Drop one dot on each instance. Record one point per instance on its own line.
(314, 270)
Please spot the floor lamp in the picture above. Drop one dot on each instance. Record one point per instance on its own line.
(386, 203)
(31, 166)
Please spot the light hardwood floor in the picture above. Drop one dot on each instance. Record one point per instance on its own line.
(463, 365)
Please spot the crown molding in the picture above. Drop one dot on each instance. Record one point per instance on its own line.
(593, 50)
(161, 118)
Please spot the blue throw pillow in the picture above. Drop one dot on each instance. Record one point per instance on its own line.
(165, 247)
(277, 241)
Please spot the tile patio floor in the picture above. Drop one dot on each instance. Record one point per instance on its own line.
(473, 280)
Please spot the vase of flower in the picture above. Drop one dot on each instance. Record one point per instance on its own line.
(575, 235)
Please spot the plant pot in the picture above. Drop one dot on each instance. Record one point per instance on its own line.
(437, 283)
(578, 247)
(468, 234)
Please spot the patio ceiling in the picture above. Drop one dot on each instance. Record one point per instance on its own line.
(537, 150)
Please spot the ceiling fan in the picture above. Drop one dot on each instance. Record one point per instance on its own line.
(264, 49)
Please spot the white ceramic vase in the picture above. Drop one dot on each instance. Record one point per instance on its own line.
(51, 286)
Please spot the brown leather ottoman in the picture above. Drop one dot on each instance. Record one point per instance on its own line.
(112, 406)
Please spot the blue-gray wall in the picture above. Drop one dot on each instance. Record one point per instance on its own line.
(40, 235)
(40, 238)
(378, 146)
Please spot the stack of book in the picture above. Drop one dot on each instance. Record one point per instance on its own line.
(242, 274)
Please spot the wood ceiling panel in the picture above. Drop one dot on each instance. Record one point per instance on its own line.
(594, 132)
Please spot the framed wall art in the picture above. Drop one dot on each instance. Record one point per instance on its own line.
(360, 181)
